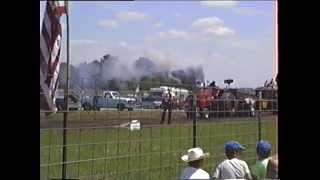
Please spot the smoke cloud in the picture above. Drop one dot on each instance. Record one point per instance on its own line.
(110, 72)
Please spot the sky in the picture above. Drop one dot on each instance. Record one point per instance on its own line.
(229, 39)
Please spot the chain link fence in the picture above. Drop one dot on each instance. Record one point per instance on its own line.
(102, 142)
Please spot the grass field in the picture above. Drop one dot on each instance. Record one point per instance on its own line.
(152, 153)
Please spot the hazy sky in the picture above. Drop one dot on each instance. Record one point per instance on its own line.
(230, 39)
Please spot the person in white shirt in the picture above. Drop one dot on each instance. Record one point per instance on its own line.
(232, 167)
(194, 158)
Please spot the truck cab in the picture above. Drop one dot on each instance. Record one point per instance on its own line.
(179, 96)
(74, 103)
(111, 94)
(116, 95)
(109, 99)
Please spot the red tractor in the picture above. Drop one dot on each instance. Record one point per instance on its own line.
(206, 97)
(213, 102)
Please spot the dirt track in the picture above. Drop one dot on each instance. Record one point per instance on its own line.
(97, 120)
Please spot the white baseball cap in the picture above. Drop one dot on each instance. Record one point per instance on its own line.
(194, 154)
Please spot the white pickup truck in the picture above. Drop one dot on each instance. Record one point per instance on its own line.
(109, 99)
(116, 95)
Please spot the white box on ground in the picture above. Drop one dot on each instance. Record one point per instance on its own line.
(134, 125)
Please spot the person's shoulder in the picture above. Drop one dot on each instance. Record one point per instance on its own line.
(203, 174)
(222, 163)
(265, 162)
(203, 171)
(242, 162)
(257, 163)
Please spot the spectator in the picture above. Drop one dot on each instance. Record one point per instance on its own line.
(259, 169)
(272, 168)
(167, 106)
(232, 168)
(190, 107)
(194, 158)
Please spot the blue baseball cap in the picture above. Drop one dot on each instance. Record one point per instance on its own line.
(233, 146)
(263, 148)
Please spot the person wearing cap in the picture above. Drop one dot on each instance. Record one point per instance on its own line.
(259, 169)
(232, 167)
(194, 158)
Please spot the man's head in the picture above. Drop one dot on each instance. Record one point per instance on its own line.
(233, 149)
(195, 157)
(263, 149)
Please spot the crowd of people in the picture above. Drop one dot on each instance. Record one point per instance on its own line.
(265, 167)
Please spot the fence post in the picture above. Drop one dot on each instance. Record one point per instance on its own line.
(259, 116)
(194, 109)
(66, 100)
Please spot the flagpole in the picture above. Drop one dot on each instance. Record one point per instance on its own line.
(66, 98)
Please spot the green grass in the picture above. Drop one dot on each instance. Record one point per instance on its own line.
(151, 153)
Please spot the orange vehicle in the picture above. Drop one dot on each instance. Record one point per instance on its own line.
(215, 102)
(206, 97)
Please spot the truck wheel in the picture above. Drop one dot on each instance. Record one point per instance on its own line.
(96, 108)
(120, 107)
(86, 106)
(59, 107)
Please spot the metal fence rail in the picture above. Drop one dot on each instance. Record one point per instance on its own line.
(153, 152)
(100, 144)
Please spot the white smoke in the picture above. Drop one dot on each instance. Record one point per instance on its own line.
(153, 64)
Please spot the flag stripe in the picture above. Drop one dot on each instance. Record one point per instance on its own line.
(55, 75)
(44, 49)
(54, 23)
(46, 90)
(49, 11)
(47, 40)
(56, 48)
(56, 62)
(54, 55)
(55, 44)
(47, 24)
(56, 30)
(43, 65)
(53, 69)
(43, 102)
(59, 8)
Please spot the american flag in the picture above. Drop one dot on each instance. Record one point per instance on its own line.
(50, 43)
